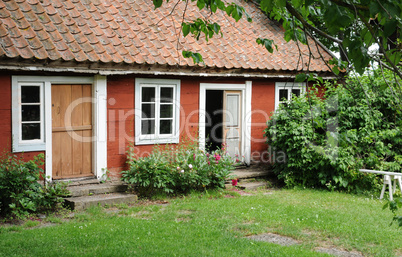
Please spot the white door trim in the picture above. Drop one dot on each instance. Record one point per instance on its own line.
(100, 120)
(246, 113)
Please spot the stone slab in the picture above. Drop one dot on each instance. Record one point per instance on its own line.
(253, 185)
(84, 202)
(93, 189)
(247, 174)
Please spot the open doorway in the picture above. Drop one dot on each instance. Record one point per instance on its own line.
(223, 126)
(213, 126)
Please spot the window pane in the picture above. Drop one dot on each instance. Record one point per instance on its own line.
(148, 94)
(30, 113)
(148, 111)
(296, 92)
(30, 94)
(166, 111)
(166, 95)
(165, 127)
(232, 110)
(30, 131)
(148, 127)
(283, 95)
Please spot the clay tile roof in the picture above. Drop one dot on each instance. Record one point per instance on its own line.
(133, 32)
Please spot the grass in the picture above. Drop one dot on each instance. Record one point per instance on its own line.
(215, 224)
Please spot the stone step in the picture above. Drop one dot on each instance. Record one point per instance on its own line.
(94, 189)
(79, 181)
(84, 202)
(249, 173)
(253, 185)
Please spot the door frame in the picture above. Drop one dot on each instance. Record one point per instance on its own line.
(246, 90)
(99, 116)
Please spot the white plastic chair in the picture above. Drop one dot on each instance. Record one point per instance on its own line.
(392, 189)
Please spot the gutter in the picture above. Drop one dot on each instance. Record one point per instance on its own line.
(149, 72)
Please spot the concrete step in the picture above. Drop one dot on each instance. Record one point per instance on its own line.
(94, 189)
(249, 173)
(80, 181)
(253, 185)
(84, 202)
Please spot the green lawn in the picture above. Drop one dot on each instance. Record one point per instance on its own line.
(213, 225)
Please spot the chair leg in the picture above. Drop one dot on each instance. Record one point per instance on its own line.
(391, 194)
(394, 187)
(399, 182)
(386, 178)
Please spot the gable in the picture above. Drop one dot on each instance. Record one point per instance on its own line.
(127, 35)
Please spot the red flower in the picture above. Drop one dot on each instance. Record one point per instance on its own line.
(234, 182)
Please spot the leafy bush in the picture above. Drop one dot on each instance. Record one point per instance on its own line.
(177, 169)
(20, 190)
(327, 140)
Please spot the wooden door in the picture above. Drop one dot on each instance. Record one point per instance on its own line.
(232, 118)
(71, 131)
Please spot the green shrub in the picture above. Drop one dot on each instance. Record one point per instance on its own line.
(177, 169)
(327, 140)
(20, 190)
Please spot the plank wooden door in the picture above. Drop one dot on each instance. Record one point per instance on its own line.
(232, 118)
(71, 131)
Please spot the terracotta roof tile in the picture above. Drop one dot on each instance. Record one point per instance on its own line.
(132, 31)
(3, 31)
(6, 42)
(61, 46)
(37, 8)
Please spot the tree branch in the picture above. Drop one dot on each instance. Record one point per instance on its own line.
(298, 16)
(393, 66)
(352, 7)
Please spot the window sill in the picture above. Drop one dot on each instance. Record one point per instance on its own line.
(32, 147)
(154, 141)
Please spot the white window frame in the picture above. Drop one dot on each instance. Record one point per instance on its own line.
(289, 86)
(157, 138)
(20, 145)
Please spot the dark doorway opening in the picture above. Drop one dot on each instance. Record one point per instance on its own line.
(214, 119)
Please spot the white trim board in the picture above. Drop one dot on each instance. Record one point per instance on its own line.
(246, 113)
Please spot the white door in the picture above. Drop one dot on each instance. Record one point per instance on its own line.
(232, 122)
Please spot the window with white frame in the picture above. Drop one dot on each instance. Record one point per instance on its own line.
(284, 91)
(157, 104)
(28, 116)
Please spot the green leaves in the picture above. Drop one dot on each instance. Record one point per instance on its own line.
(200, 26)
(237, 12)
(157, 3)
(302, 77)
(327, 140)
(197, 58)
(267, 43)
(20, 191)
(178, 169)
(337, 65)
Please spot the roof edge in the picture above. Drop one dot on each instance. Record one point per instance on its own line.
(155, 70)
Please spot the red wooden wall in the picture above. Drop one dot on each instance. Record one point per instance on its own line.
(262, 104)
(121, 119)
(120, 115)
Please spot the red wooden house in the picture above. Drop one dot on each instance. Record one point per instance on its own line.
(82, 79)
